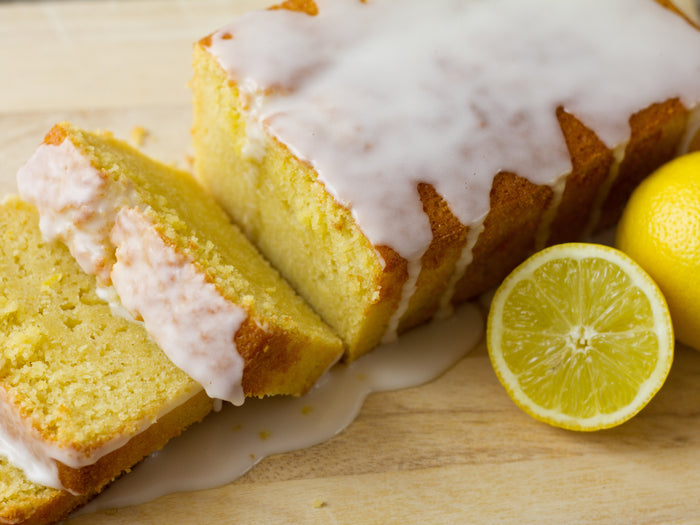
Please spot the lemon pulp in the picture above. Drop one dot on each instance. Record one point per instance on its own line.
(580, 336)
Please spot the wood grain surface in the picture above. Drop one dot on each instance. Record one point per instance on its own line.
(453, 451)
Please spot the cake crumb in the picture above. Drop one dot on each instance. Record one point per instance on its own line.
(138, 135)
(319, 503)
(264, 434)
(53, 279)
(307, 409)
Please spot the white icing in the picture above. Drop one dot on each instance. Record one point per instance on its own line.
(445, 307)
(382, 95)
(77, 202)
(22, 449)
(550, 213)
(255, 144)
(80, 205)
(110, 296)
(604, 190)
(391, 332)
(25, 448)
(227, 444)
(185, 314)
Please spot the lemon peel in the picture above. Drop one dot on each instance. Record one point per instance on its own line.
(660, 229)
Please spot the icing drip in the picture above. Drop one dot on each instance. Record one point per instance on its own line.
(545, 225)
(78, 203)
(409, 287)
(465, 258)
(186, 315)
(604, 190)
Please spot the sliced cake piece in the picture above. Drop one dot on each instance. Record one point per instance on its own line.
(152, 234)
(84, 394)
(392, 159)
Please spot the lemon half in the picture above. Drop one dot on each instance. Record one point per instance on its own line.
(580, 336)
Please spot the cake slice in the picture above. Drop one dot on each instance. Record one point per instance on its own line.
(151, 234)
(84, 394)
(393, 159)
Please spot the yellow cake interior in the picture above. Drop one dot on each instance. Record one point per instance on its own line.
(80, 374)
(320, 248)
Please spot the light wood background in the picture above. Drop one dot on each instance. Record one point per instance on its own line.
(453, 451)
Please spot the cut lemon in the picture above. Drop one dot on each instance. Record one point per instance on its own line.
(580, 336)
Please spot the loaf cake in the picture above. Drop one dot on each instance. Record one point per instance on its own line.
(393, 159)
(169, 255)
(84, 394)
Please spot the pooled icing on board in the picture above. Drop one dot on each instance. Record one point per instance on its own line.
(230, 442)
(378, 96)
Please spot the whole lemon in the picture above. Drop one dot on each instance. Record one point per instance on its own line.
(660, 230)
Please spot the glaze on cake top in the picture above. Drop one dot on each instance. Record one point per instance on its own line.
(379, 96)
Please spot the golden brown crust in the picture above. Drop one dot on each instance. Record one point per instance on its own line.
(274, 357)
(56, 135)
(439, 260)
(517, 206)
(591, 161)
(654, 137)
(51, 507)
(301, 6)
(268, 355)
(509, 234)
(391, 281)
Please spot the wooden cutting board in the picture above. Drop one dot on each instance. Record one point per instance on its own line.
(453, 451)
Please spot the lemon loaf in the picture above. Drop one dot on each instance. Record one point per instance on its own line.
(152, 234)
(393, 159)
(84, 394)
